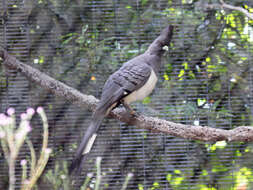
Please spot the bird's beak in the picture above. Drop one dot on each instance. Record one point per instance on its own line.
(166, 48)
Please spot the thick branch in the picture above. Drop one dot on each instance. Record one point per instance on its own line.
(202, 133)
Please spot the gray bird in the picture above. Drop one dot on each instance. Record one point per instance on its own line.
(133, 81)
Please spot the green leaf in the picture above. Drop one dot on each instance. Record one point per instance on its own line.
(238, 153)
(204, 173)
(168, 177)
(185, 64)
(169, 68)
(67, 40)
(80, 40)
(140, 187)
(208, 59)
(144, 2)
(166, 77)
(146, 100)
(221, 144)
(155, 186)
(201, 102)
(177, 181)
(191, 75)
(217, 86)
(181, 73)
(216, 68)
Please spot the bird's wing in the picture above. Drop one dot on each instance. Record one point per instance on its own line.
(129, 78)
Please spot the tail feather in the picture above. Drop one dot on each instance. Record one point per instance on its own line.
(106, 104)
(86, 143)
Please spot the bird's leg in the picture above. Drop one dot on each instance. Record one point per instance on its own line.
(129, 109)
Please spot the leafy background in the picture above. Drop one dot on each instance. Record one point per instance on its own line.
(207, 79)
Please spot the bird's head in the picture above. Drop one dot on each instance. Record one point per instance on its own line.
(166, 35)
(161, 43)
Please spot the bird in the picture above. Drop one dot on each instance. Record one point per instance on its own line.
(133, 81)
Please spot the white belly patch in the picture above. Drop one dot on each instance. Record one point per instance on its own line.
(144, 91)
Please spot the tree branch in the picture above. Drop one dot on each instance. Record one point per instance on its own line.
(227, 6)
(202, 133)
(244, 11)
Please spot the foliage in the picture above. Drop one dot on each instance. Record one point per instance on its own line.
(59, 178)
(206, 80)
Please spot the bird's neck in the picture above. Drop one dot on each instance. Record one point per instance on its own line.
(156, 48)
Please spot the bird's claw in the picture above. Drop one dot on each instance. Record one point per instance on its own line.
(134, 113)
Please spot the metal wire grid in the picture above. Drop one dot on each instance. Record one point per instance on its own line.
(150, 156)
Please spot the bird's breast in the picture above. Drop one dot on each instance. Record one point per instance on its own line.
(144, 91)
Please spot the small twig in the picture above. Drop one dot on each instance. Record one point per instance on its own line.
(244, 11)
(24, 171)
(33, 156)
(99, 176)
(128, 177)
(224, 5)
(86, 182)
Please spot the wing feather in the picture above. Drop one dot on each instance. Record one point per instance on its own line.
(130, 77)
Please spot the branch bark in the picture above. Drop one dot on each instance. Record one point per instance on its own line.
(202, 133)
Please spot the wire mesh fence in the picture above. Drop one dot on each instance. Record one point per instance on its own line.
(206, 80)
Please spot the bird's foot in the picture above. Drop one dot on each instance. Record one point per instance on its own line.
(133, 113)
(130, 110)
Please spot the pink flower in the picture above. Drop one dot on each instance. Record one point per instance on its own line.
(40, 110)
(2, 116)
(23, 162)
(130, 175)
(30, 111)
(11, 111)
(5, 120)
(23, 116)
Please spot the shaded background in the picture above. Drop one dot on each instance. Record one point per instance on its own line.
(207, 79)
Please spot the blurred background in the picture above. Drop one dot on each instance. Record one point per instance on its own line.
(206, 79)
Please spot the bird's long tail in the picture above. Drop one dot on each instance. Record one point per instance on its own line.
(86, 143)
